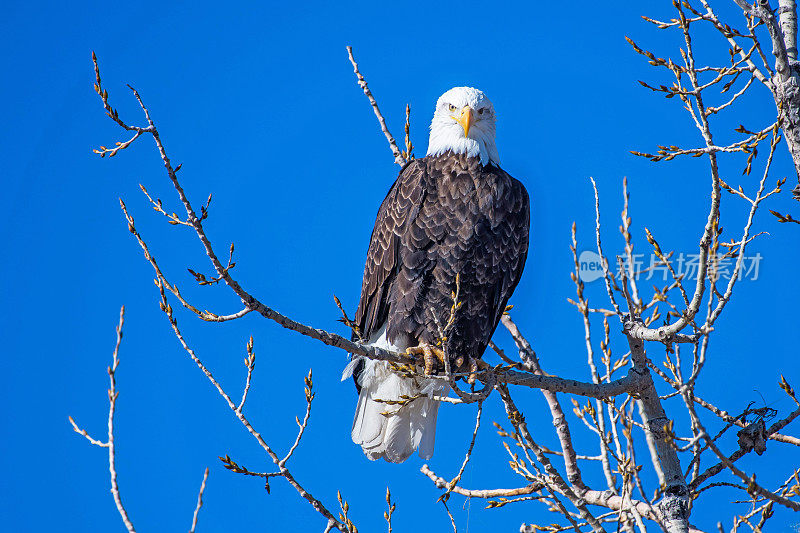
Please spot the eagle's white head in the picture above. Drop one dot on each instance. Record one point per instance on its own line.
(464, 122)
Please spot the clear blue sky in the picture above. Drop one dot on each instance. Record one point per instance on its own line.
(260, 105)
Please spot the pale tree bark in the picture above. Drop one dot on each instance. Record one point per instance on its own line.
(785, 81)
(674, 506)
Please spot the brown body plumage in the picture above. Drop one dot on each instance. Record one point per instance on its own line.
(445, 215)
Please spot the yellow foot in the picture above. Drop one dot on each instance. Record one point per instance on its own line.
(430, 354)
(474, 366)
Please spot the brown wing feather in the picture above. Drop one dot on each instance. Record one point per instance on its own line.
(400, 205)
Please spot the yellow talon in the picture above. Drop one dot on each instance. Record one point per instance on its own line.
(430, 354)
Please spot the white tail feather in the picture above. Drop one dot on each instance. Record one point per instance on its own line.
(397, 443)
(393, 432)
(390, 431)
(427, 429)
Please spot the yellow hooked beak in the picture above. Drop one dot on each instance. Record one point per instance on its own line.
(465, 119)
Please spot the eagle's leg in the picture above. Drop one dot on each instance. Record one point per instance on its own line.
(474, 366)
(430, 354)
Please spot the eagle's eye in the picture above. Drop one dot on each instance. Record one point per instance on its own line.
(481, 110)
(451, 107)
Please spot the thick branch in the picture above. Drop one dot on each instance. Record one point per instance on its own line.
(785, 85)
(674, 506)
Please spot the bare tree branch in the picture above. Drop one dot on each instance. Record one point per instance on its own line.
(442, 483)
(112, 404)
(398, 155)
(199, 501)
(250, 363)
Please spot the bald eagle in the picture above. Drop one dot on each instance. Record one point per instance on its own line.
(454, 212)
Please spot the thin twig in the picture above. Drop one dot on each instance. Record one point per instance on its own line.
(199, 502)
(467, 457)
(250, 363)
(398, 156)
(112, 403)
